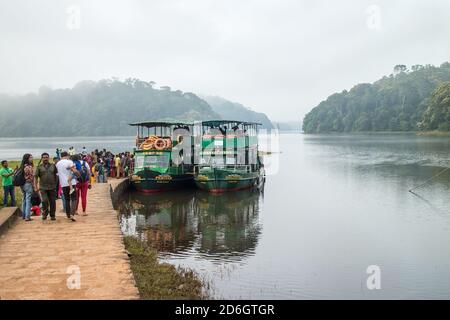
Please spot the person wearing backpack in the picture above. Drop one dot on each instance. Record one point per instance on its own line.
(25, 179)
(66, 169)
(83, 182)
(46, 175)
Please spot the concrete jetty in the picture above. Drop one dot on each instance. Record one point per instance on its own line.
(68, 260)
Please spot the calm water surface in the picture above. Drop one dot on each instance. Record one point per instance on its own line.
(15, 148)
(337, 205)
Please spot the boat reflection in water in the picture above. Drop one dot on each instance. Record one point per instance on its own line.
(195, 223)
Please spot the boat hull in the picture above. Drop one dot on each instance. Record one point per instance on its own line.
(217, 181)
(149, 181)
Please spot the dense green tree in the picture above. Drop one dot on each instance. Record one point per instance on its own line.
(400, 68)
(437, 114)
(393, 103)
(98, 108)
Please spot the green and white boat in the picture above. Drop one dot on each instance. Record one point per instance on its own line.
(154, 167)
(228, 156)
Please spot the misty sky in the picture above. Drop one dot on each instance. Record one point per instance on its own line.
(281, 57)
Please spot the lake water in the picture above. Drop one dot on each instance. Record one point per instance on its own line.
(15, 148)
(336, 205)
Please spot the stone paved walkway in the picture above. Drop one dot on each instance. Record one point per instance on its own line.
(35, 257)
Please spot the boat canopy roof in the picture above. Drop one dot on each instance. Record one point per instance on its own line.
(151, 124)
(216, 123)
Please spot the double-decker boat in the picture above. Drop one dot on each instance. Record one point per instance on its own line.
(229, 159)
(155, 168)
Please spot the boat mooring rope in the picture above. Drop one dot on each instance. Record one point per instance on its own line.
(428, 180)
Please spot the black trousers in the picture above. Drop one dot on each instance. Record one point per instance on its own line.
(57, 188)
(71, 200)
(48, 198)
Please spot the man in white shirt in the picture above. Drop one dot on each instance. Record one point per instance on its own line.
(66, 170)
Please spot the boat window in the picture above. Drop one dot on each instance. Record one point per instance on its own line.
(217, 161)
(231, 161)
(156, 161)
(139, 161)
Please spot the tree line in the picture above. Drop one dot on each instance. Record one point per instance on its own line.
(105, 107)
(407, 100)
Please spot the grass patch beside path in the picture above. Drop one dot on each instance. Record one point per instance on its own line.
(157, 280)
(17, 193)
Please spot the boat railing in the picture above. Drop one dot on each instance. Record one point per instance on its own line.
(234, 167)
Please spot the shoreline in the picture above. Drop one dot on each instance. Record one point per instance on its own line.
(157, 280)
(434, 133)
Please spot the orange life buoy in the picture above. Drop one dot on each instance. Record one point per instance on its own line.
(147, 144)
(168, 143)
(160, 144)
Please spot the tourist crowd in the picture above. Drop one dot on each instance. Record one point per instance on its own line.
(67, 176)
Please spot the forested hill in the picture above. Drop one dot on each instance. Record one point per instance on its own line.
(407, 100)
(236, 111)
(98, 108)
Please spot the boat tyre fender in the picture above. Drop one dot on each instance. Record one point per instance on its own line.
(160, 144)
